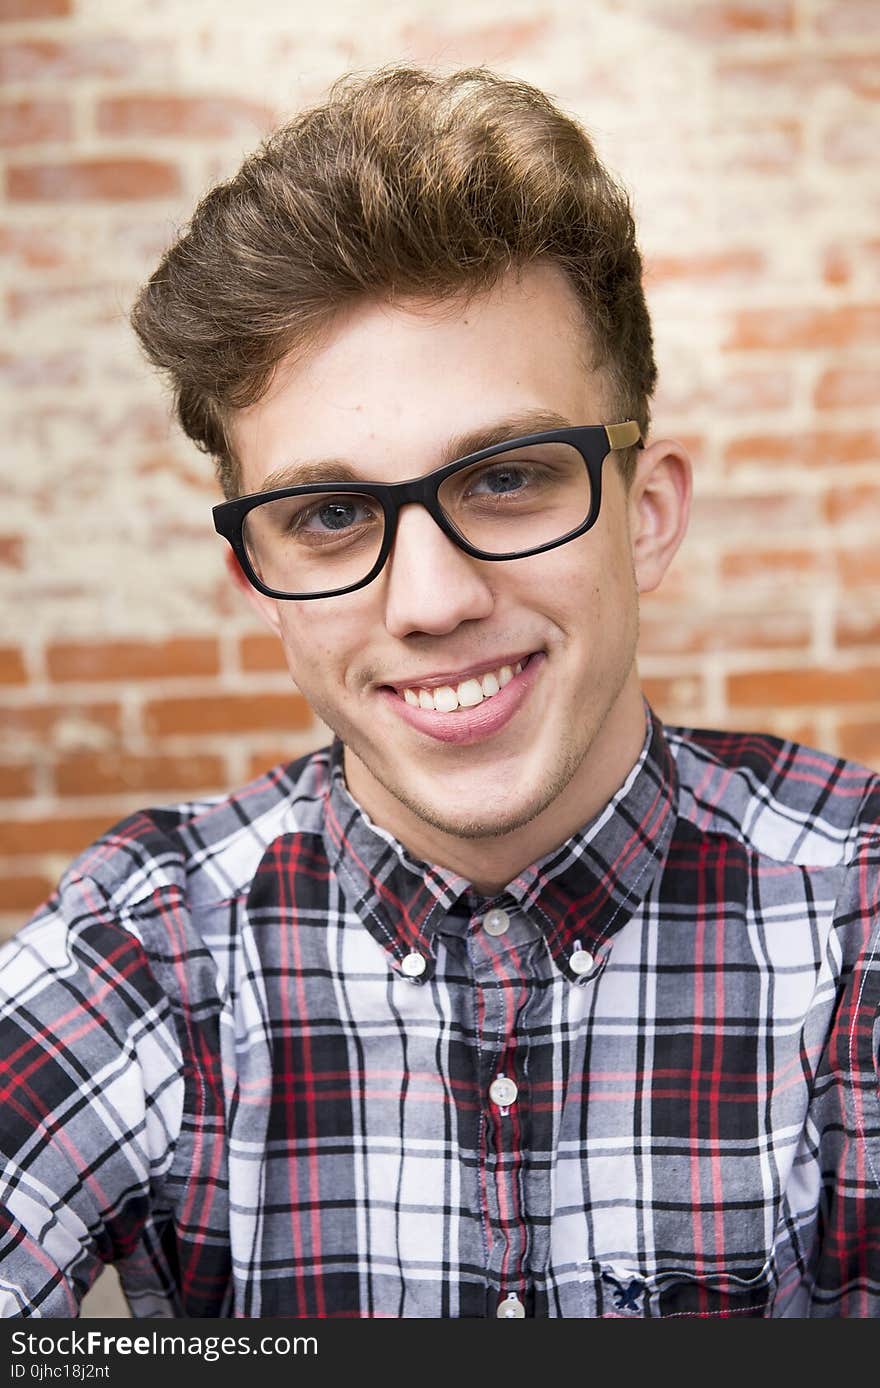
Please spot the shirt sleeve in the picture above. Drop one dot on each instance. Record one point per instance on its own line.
(92, 1097)
(846, 1090)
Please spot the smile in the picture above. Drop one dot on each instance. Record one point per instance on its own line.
(470, 709)
(446, 698)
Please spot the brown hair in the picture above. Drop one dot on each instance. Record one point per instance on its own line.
(401, 183)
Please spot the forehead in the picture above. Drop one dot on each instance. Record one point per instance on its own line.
(388, 385)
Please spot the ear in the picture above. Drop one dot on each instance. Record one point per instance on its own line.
(659, 506)
(266, 607)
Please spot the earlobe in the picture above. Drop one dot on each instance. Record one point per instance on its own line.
(266, 607)
(660, 499)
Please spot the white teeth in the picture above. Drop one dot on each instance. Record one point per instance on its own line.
(468, 694)
(445, 699)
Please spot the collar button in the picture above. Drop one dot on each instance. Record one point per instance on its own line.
(496, 922)
(581, 962)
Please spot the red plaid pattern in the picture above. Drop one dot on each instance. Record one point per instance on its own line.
(222, 1070)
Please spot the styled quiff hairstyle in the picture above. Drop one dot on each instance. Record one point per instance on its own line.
(400, 184)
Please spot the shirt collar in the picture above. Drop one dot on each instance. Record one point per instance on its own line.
(580, 894)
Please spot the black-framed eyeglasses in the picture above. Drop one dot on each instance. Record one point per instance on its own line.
(509, 501)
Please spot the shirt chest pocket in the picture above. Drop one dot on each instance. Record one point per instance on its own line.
(618, 1290)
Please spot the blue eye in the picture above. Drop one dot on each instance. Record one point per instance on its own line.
(501, 480)
(336, 514)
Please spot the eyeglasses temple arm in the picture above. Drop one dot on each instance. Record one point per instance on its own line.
(623, 435)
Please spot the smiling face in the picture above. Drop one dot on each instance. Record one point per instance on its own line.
(528, 755)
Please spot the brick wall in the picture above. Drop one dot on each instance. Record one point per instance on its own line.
(748, 132)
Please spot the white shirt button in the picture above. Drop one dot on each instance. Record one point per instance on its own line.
(496, 922)
(511, 1308)
(581, 961)
(413, 965)
(503, 1091)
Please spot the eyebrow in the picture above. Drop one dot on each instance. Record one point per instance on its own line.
(304, 474)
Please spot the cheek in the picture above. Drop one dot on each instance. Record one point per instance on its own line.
(590, 590)
(322, 646)
(309, 648)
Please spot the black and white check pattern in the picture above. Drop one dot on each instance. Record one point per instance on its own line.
(217, 1073)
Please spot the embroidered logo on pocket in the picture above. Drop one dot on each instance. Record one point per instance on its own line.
(628, 1291)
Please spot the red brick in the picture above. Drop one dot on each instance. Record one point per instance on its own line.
(752, 518)
(710, 265)
(32, 247)
(675, 698)
(12, 551)
(689, 633)
(847, 19)
(858, 627)
(93, 180)
(794, 729)
(12, 669)
(786, 79)
(848, 387)
(741, 392)
(30, 372)
(861, 75)
(106, 773)
(16, 780)
(819, 448)
(60, 61)
(35, 9)
(126, 660)
(836, 266)
(77, 724)
(79, 304)
(770, 565)
(227, 713)
(265, 760)
(843, 261)
(261, 652)
(807, 687)
(763, 147)
(31, 122)
(719, 19)
(505, 38)
(805, 329)
(858, 567)
(167, 462)
(860, 741)
(51, 834)
(24, 892)
(854, 504)
(852, 141)
(186, 117)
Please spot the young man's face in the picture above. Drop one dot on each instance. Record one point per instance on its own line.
(483, 790)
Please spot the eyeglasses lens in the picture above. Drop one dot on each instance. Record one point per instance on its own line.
(518, 500)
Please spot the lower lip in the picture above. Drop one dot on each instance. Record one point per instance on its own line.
(466, 725)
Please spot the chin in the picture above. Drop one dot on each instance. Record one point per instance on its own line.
(478, 822)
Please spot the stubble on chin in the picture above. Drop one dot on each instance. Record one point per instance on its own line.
(468, 822)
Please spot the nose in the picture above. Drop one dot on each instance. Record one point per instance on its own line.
(431, 585)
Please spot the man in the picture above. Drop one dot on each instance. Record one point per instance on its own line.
(511, 1002)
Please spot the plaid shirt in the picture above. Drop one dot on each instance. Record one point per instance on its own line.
(251, 1054)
